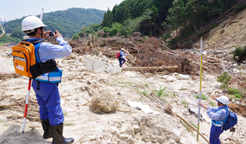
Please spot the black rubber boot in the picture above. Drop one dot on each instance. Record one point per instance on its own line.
(58, 138)
(46, 127)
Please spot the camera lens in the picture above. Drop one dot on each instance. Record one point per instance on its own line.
(51, 34)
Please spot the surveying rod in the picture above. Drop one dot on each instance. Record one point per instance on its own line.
(200, 93)
(28, 92)
(27, 99)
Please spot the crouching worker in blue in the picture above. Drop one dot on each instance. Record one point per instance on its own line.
(219, 116)
(45, 83)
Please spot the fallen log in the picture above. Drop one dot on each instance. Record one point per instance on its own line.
(158, 73)
(168, 109)
(149, 68)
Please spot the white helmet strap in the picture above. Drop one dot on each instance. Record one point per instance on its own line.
(38, 32)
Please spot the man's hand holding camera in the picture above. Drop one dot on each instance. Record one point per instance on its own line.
(48, 34)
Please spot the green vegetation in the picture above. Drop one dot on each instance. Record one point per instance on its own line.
(203, 97)
(239, 7)
(65, 114)
(235, 92)
(232, 90)
(146, 85)
(185, 104)
(159, 18)
(237, 95)
(185, 126)
(145, 93)
(212, 104)
(239, 54)
(125, 83)
(69, 124)
(160, 92)
(224, 79)
(136, 89)
(195, 126)
(189, 126)
(7, 39)
(67, 22)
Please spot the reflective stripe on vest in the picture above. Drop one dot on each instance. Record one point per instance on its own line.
(219, 123)
(51, 77)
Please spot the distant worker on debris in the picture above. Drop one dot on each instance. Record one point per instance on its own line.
(219, 115)
(45, 84)
(121, 56)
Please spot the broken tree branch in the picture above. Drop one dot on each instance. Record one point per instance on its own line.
(192, 127)
(169, 110)
(2, 30)
(187, 126)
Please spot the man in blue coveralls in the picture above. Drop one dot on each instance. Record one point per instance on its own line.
(123, 54)
(46, 84)
(218, 115)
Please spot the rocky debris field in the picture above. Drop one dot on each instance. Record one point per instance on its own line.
(102, 104)
(123, 125)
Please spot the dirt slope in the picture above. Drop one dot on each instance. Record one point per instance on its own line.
(229, 33)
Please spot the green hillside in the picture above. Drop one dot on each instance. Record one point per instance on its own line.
(67, 22)
(190, 19)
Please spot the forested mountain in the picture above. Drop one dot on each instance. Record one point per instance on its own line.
(160, 17)
(189, 14)
(67, 22)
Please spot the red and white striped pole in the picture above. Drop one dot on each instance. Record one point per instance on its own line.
(27, 99)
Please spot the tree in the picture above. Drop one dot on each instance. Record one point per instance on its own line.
(115, 29)
(126, 14)
(75, 37)
(147, 23)
(107, 19)
(17, 33)
(114, 13)
(176, 17)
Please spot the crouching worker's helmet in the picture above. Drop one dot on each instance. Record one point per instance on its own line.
(223, 99)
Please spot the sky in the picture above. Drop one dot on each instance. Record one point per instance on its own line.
(14, 9)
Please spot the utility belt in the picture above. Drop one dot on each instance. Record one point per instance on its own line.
(51, 77)
(41, 68)
(217, 125)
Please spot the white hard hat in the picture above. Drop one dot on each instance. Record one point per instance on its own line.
(122, 49)
(223, 99)
(31, 22)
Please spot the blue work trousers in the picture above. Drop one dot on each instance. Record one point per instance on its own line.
(48, 98)
(215, 134)
(121, 61)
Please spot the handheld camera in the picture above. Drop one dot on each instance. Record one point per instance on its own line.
(51, 33)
